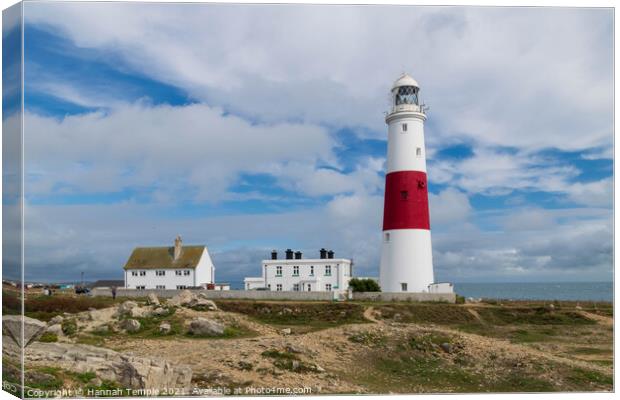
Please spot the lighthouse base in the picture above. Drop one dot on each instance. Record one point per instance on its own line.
(406, 261)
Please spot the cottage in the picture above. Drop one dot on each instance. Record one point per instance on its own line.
(177, 267)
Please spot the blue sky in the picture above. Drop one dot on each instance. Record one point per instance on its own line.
(243, 128)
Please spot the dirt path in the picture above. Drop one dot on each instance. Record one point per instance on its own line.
(369, 314)
(601, 319)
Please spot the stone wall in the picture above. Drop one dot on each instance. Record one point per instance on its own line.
(221, 294)
(272, 295)
(398, 296)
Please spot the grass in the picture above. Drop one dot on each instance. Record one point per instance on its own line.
(533, 335)
(367, 338)
(589, 350)
(69, 327)
(45, 308)
(421, 313)
(287, 361)
(304, 316)
(583, 377)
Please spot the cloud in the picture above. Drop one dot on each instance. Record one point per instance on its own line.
(500, 77)
(194, 151)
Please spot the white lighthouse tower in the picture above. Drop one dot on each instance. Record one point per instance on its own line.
(407, 255)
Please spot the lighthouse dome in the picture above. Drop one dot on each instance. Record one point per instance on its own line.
(405, 80)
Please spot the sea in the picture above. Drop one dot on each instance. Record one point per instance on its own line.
(579, 291)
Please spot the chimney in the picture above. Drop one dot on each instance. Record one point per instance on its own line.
(289, 254)
(330, 254)
(274, 255)
(298, 255)
(178, 244)
(323, 254)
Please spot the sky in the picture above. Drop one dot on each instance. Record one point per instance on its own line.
(249, 128)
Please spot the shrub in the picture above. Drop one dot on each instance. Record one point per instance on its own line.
(364, 285)
(48, 337)
(69, 327)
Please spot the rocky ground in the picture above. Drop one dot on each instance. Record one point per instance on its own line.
(191, 345)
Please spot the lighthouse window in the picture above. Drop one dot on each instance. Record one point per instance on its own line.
(404, 127)
(404, 194)
(387, 237)
(406, 95)
(403, 287)
(418, 152)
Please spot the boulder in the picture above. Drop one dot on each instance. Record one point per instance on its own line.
(203, 326)
(164, 328)
(12, 327)
(160, 312)
(127, 370)
(286, 331)
(140, 312)
(56, 320)
(447, 347)
(130, 325)
(181, 299)
(200, 303)
(56, 329)
(152, 299)
(126, 307)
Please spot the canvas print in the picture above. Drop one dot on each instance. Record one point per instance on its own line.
(204, 199)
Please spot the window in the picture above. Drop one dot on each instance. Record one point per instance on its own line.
(160, 287)
(160, 273)
(403, 287)
(296, 287)
(279, 270)
(134, 273)
(328, 287)
(309, 287)
(180, 287)
(312, 270)
(140, 287)
(296, 270)
(269, 286)
(178, 273)
(142, 273)
(404, 127)
(404, 194)
(186, 272)
(328, 270)
(418, 152)
(279, 287)
(387, 236)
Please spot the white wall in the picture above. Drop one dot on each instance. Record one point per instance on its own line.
(170, 280)
(205, 270)
(339, 279)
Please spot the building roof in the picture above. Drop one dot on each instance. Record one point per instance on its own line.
(163, 258)
(108, 283)
(405, 80)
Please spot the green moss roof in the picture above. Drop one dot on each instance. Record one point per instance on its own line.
(163, 258)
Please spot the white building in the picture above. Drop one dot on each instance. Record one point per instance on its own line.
(177, 267)
(294, 273)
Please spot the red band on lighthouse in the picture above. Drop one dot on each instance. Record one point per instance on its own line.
(406, 201)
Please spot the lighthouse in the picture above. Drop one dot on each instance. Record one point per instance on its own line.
(407, 255)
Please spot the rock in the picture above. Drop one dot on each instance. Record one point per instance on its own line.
(164, 328)
(201, 303)
(91, 309)
(96, 382)
(102, 329)
(447, 347)
(126, 307)
(203, 326)
(130, 325)
(160, 312)
(318, 368)
(56, 329)
(551, 307)
(181, 299)
(127, 370)
(287, 311)
(397, 317)
(578, 307)
(56, 320)
(292, 349)
(286, 331)
(140, 312)
(12, 327)
(152, 299)
(295, 365)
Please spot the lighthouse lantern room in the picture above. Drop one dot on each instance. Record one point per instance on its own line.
(407, 256)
